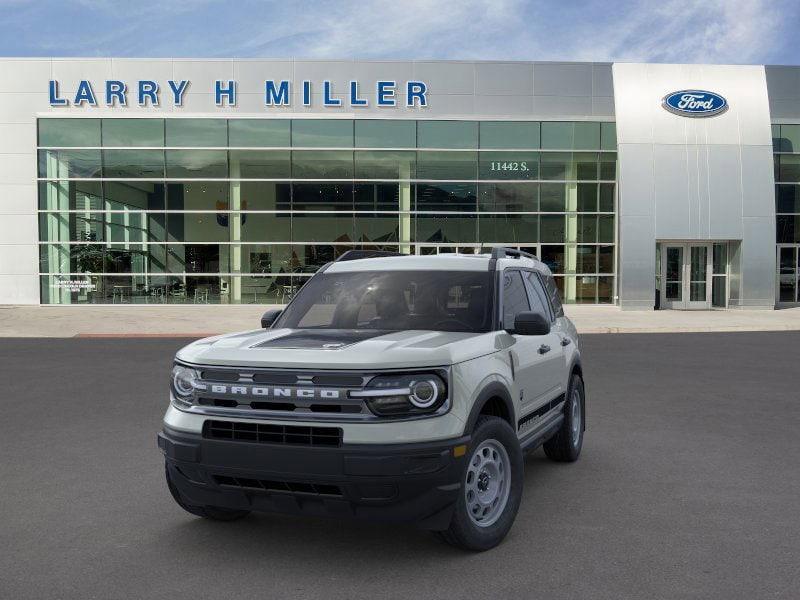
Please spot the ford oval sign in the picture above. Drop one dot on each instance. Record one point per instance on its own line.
(695, 103)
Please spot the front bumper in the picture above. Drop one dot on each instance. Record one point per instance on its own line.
(413, 483)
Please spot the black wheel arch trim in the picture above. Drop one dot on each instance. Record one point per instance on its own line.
(577, 369)
(494, 389)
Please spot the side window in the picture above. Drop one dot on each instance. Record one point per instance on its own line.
(552, 291)
(515, 298)
(537, 295)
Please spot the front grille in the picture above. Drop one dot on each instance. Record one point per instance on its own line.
(291, 487)
(273, 434)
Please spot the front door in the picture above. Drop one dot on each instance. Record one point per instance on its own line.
(686, 275)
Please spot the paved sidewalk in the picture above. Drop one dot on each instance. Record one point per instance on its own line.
(199, 321)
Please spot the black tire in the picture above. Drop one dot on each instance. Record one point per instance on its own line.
(463, 531)
(563, 447)
(214, 513)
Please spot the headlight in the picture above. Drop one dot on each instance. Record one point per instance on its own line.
(184, 381)
(404, 395)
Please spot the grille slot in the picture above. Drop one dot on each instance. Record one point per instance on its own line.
(292, 487)
(273, 434)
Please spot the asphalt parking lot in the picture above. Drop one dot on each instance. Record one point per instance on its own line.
(688, 487)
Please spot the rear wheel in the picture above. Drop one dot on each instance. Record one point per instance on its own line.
(566, 444)
(491, 488)
(215, 513)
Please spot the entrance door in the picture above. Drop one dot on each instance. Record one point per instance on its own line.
(686, 276)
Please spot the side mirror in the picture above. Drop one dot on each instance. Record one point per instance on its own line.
(531, 323)
(269, 317)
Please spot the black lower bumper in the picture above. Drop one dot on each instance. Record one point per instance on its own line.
(411, 483)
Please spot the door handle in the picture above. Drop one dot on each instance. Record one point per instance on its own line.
(565, 341)
(544, 349)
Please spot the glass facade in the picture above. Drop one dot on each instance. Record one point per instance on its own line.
(786, 148)
(245, 210)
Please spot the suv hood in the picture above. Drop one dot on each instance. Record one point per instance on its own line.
(339, 348)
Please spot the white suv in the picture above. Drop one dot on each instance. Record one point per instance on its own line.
(392, 387)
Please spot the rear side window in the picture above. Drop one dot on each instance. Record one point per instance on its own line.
(515, 298)
(552, 292)
(538, 296)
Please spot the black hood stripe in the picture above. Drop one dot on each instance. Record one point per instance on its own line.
(322, 339)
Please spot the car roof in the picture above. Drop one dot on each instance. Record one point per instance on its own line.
(440, 262)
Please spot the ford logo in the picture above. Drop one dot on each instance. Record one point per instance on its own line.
(695, 103)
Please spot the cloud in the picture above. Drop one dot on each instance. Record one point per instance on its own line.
(711, 31)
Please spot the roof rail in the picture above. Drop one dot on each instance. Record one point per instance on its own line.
(501, 252)
(359, 254)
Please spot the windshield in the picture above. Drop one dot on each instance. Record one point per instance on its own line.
(393, 301)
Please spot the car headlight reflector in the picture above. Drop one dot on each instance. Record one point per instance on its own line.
(183, 381)
(404, 394)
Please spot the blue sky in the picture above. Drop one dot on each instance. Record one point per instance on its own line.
(712, 31)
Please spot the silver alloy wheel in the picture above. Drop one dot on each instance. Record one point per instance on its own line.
(488, 483)
(576, 417)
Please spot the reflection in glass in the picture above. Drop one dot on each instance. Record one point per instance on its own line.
(322, 164)
(509, 165)
(258, 133)
(447, 165)
(509, 134)
(508, 197)
(513, 229)
(197, 164)
(383, 133)
(198, 133)
(460, 197)
(447, 134)
(133, 132)
(133, 164)
(63, 164)
(322, 133)
(65, 133)
(260, 164)
(444, 228)
(385, 164)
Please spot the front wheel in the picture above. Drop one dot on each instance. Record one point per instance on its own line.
(491, 488)
(566, 444)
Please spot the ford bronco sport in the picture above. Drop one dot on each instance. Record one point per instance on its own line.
(392, 387)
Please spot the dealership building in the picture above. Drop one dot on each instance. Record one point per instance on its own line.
(166, 181)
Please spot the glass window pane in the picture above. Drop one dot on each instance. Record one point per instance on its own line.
(789, 170)
(447, 134)
(264, 195)
(557, 135)
(65, 133)
(266, 227)
(720, 262)
(133, 132)
(790, 138)
(511, 229)
(135, 195)
(787, 292)
(260, 164)
(605, 290)
(322, 164)
(377, 227)
(585, 166)
(383, 196)
(606, 197)
(380, 133)
(776, 138)
(198, 258)
(787, 264)
(587, 229)
(787, 198)
(553, 257)
(587, 197)
(605, 261)
(605, 228)
(608, 166)
(552, 228)
(788, 229)
(447, 165)
(198, 195)
(585, 289)
(322, 227)
(70, 195)
(587, 136)
(556, 165)
(66, 227)
(196, 132)
(446, 197)
(322, 133)
(608, 136)
(198, 227)
(553, 197)
(515, 298)
(443, 228)
(385, 165)
(197, 164)
(148, 164)
(259, 133)
(62, 164)
(262, 258)
(509, 134)
(509, 165)
(322, 196)
(586, 259)
(508, 197)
